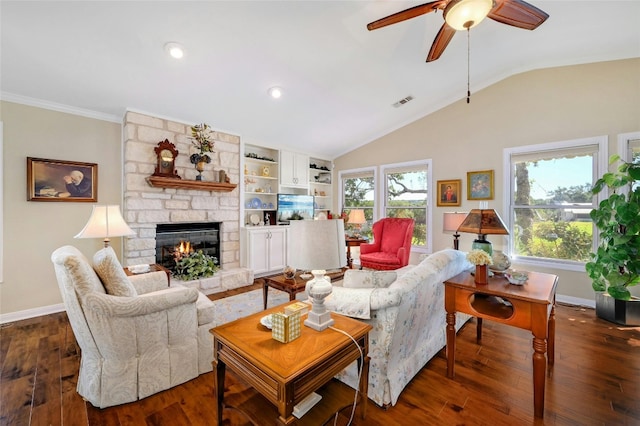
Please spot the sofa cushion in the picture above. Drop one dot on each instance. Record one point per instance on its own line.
(112, 274)
(354, 278)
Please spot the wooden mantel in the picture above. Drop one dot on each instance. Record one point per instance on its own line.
(163, 182)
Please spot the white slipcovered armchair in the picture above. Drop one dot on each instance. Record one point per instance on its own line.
(137, 335)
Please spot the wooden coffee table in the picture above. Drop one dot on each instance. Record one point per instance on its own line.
(292, 286)
(285, 373)
(530, 306)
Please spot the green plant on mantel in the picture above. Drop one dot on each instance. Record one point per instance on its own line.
(616, 264)
(202, 139)
(195, 265)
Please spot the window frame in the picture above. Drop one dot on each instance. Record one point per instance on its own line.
(600, 166)
(352, 173)
(382, 196)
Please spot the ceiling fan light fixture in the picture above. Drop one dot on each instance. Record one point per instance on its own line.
(175, 50)
(466, 14)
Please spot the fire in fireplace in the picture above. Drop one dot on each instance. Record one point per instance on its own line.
(175, 240)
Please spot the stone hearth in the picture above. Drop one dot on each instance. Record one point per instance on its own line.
(146, 206)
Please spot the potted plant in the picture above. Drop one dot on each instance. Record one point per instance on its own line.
(194, 266)
(616, 264)
(202, 139)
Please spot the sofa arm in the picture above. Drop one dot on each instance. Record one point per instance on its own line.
(149, 282)
(116, 306)
(359, 302)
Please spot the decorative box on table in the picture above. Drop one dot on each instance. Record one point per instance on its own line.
(285, 327)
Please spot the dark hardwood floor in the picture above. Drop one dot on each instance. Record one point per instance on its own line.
(595, 381)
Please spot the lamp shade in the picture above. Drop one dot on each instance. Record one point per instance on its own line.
(105, 222)
(356, 216)
(483, 222)
(465, 14)
(317, 244)
(452, 220)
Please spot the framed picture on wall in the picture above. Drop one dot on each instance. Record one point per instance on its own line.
(59, 180)
(480, 185)
(449, 192)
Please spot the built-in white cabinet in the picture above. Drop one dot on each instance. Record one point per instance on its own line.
(294, 169)
(264, 249)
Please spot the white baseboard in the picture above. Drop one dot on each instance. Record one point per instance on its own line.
(570, 300)
(31, 313)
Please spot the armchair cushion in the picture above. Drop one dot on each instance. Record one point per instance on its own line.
(111, 274)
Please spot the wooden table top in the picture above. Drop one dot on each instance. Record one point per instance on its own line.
(298, 282)
(539, 288)
(286, 360)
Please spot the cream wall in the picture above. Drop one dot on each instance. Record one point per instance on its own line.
(535, 107)
(32, 230)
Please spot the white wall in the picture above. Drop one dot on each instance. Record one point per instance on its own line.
(33, 230)
(535, 107)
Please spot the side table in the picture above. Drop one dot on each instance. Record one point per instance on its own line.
(353, 242)
(291, 286)
(286, 373)
(530, 306)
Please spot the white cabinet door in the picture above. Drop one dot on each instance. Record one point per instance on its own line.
(266, 249)
(258, 250)
(294, 169)
(278, 249)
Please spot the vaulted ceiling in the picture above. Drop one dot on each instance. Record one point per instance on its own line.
(339, 80)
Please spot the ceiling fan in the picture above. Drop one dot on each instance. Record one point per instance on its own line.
(466, 14)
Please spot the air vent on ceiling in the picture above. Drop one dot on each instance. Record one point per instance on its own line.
(403, 101)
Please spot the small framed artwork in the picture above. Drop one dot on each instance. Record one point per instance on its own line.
(449, 192)
(480, 185)
(58, 180)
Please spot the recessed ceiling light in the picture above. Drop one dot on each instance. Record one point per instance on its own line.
(174, 49)
(275, 92)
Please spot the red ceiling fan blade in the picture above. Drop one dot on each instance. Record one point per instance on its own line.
(407, 14)
(518, 13)
(441, 41)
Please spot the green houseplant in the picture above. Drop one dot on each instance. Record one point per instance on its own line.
(202, 139)
(195, 265)
(615, 266)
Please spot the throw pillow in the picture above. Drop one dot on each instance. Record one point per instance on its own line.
(111, 274)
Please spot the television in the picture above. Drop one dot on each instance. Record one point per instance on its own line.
(294, 207)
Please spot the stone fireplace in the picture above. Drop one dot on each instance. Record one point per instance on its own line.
(145, 206)
(174, 240)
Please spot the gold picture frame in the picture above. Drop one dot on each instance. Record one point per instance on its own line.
(59, 180)
(449, 192)
(480, 185)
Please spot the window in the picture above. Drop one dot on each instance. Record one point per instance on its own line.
(358, 191)
(406, 194)
(549, 200)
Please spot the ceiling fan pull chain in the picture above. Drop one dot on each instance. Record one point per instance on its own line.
(468, 64)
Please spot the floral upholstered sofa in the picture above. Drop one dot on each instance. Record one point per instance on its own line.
(406, 310)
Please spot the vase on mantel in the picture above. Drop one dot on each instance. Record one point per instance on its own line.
(482, 274)
(200, 160)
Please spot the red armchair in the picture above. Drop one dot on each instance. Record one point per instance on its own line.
(391, 245)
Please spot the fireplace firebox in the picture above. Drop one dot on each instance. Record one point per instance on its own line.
(174, 240)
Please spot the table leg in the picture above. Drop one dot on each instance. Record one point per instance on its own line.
(478, 329)
(218, 386)
(551, 339)
(265, 290)
(539, 373)
(349, 259)
(451, 343)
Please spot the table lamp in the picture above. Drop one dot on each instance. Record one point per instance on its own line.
(483, 222)
(105, 222)
(357, 219)
(450, 223)
(317, 245)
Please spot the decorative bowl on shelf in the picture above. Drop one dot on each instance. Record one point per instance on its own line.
(516, 277)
